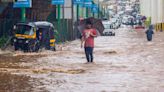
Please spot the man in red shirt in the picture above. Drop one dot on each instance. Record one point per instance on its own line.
(88, 40)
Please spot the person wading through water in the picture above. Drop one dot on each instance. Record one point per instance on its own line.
(150, 33)
(87, 40)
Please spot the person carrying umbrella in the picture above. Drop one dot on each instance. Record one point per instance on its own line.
(88, 36)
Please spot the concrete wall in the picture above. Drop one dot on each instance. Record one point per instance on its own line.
(145, 7)
(160, 7)
(154, 11)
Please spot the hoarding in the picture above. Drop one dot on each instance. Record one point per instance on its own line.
(94, 8)
(57, 2)
(88, 3)
(78, 1)
(22, 3)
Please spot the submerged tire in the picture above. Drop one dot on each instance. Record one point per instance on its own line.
(16, 47)
(54, 49)
(34, 46)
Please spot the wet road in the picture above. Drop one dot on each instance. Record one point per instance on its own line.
(124, 63)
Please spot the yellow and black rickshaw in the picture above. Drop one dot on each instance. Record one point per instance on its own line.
(32, 36)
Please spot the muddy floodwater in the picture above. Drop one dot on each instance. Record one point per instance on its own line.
(126, 62)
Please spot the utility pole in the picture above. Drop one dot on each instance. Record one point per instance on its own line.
(87, 12)
(98, 9)
(72, 12)
(23, 14)
(58, 13)
(77, 12)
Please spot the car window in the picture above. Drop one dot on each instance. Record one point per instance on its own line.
(106, 26)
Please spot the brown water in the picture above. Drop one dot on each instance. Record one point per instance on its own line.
(124, 63)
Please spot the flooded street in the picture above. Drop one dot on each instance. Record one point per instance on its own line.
(126, 62)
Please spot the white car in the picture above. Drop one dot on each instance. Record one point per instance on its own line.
(108, 31)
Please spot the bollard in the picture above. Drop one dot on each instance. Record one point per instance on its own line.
(156, 27)
(162, 26)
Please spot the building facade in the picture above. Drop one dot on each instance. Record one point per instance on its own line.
(153, 9)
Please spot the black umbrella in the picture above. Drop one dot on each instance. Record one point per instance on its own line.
(96, 23)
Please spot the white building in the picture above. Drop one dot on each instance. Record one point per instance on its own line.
(153, 9)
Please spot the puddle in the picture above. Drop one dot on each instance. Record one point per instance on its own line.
(110, 52)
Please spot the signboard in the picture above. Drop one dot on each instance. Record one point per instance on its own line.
(78, 1)
(23, 3)
(57, 2)
(6, 1)
(88, 0)
(88, 3)
(94, 8)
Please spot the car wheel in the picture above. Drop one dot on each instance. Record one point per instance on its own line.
(54, 49)
(36, 47)
(16, 47)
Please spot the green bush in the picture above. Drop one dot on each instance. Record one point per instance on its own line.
(3, 41)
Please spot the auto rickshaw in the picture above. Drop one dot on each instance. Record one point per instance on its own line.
(32, 36)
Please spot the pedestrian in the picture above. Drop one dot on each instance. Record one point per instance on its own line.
(132, 23)
(149, 33)
(140, 23)
(40, 36)
(88, 36)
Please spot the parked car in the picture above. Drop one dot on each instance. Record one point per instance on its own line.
(116, 21)
(108, 31)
